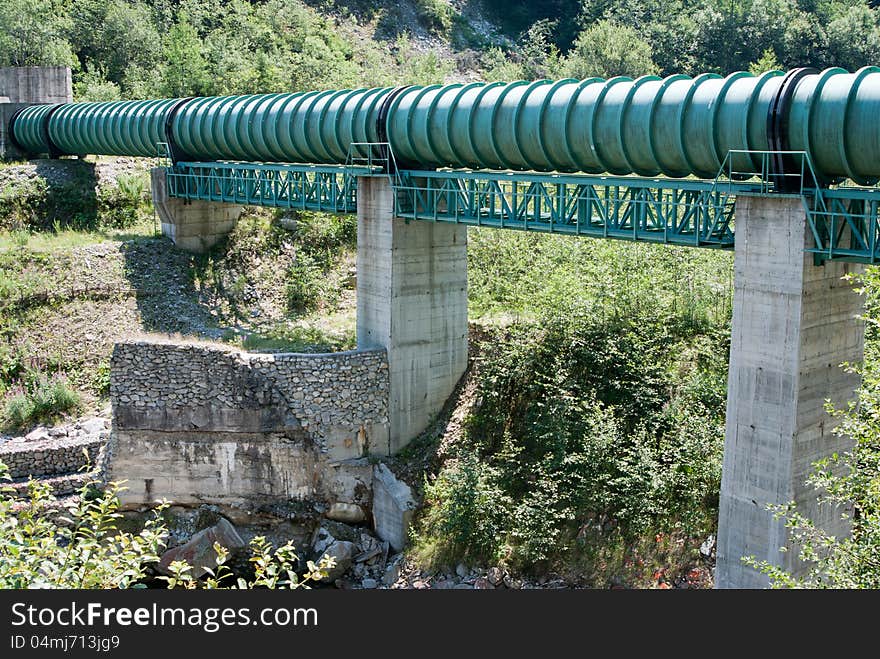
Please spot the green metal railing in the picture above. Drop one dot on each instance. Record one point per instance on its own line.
(680, 212)
(689, 212)
(326, 188)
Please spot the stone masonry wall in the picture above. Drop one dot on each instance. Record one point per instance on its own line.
(198, 423)
(49, 457)
(195, 387)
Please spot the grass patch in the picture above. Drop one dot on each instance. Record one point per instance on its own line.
(300, 338)
(49, 242)
(39, 398)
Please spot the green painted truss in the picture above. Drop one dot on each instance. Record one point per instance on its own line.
(694, 213)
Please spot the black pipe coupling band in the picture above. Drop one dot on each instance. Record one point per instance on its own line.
(784, 168)
(382, 127)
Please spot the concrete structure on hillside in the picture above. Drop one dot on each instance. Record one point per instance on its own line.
(21, 86)
(261, 438)
(412, 301)
(411, 294)
(794, 324)
(195, 226)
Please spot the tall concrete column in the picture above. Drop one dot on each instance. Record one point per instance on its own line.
(794, 323)
(411, 300)
(193, 225)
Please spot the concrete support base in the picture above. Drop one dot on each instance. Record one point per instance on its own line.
(21, 86)
(412, 301)
(194, 226)
(793, 325)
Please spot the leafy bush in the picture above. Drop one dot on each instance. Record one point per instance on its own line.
(82, 546)
(306, 285)
(320, 240)
(38, 398)
(436, 15)
(578, 423)
(122, 205)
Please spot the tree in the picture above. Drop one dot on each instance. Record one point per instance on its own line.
(662, 23)
(92, 85)
(127, 38)
(32, 34)
(607, 50)
(767, 62)
(535, 57)
(185, 72)
(854, 38)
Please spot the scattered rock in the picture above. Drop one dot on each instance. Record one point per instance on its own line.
(461, 570)
(369, 584)
(93, 426)
(483, 583)
(708, 547)
(495, 575)
(349, 513)
(368, 554)
(288, 221)
(513, 584)
(199, 551)
(392, 572)
(37, 434)
(342, 531)
(393, 505)
(323, 539)
(342, 551)
(58, 431)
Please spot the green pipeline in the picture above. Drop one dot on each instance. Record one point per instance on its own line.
(675, 126)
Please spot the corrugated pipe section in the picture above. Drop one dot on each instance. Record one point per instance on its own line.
(675, 126)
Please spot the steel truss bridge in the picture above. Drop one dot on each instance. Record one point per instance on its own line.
(689, 212)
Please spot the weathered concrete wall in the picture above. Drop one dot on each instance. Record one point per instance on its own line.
(793, 325)
(36, 84)
(412, 301)
(196, 423)
(194, 226)
(21, 86)
(8, 150)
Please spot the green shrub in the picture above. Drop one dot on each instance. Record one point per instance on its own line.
(53, 396)
(323, 235)
(39, 398)
(320, 240)
(436, 16)
(18, 408)
(465, 508)
(578, 423)
(82, 546)
(122, 205)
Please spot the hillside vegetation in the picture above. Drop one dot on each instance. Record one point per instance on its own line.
(587, 438)
(150, 48)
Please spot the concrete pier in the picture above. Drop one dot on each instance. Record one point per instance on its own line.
(412, 301)
(21, 86)
(794, 323)
(194, 226)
